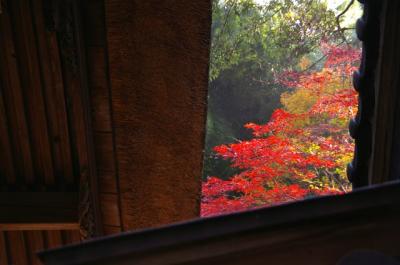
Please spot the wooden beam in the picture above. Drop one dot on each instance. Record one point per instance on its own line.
(39, 226)
(313, 232)
(38, 210)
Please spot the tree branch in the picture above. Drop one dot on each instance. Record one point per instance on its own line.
(345, 10)
(338, 19)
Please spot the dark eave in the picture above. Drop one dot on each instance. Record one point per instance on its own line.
(366, 215)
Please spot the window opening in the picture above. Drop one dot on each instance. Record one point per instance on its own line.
(280, 99)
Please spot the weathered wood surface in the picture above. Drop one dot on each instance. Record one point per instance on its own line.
(45, 142)
(20, 247)
(158, 60)
(102, 123)
(54, 95)
(45, 124)
(15, 113)
(316, 231)
(43, 127)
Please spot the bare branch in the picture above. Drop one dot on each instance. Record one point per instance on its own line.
(338, 20)
(345, 10)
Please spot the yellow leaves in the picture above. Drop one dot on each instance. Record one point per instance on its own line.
(299, 101)
(304, 63)
(291, 15)
(345, 159)
(313, 148)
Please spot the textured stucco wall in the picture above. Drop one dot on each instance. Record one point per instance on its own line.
(158, 59)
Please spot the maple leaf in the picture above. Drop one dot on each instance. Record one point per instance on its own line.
(294, 155)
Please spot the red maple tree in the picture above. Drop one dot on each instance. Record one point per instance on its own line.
(302, 151)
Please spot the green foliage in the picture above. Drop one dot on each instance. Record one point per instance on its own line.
(251, 45)
(269, 36)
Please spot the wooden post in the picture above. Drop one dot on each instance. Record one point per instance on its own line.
(158, 60)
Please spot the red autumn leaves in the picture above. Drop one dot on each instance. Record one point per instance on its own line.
(302, 151)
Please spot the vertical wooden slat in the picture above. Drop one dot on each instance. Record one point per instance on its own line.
(54, 95)
(99, 90)
(111, 230)
(14, 99)
(100, 99)
(7, 175)
(3, 250)
(32, 87)
(35, 243)
(76, 87)
(54, 239)
(386, 145)
(17, 248)
(77, 123)
(76, 236)
(72, 236)
(105, 158)
(110, 209)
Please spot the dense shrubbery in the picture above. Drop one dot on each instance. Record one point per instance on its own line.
(304, 148)
(251, 45)
(281, 69)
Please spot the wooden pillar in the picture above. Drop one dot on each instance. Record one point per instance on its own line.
(158, 55)
(361, 127)
(385, 164)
